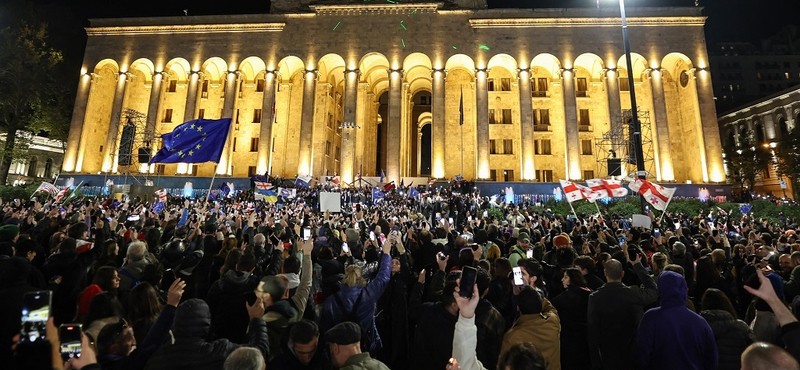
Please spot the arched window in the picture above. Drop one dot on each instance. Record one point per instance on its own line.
(759, 133)
(32, 164)
(48, 168)
(783, 126)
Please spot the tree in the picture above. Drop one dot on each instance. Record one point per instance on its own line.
(787, 154)
(34, 97)
(746, 159)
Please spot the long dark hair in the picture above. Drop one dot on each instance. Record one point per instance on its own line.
(575, 277)
(143, 303)
(104, 305)
(715, 299)
(104, 277)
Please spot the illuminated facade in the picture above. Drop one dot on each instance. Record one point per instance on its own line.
(361, 87)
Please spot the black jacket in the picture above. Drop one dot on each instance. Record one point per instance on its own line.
(191, 350)
(732, 337)
(73, 269)
(614, 313)
(226, 301)
(13, 286)
(433, 341)
(572, 306)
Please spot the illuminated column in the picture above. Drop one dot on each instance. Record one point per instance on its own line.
(393, 125)
(224, 167)
(116, 116)
(482, 109)
(307, 121)
(155, 101)
(76, 124)
(437, 129)
(711, 150)
(614, 105)
(349, 126)
(526, 124)
(267, 119)
(572, 152)
(191, 95)
(664, 172)
(419, 150)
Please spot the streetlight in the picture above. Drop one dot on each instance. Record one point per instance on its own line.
(635, 124)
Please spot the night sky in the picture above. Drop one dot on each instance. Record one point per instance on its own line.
(729, 20)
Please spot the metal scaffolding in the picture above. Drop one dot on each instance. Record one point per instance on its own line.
(134, 139)
(618, 143)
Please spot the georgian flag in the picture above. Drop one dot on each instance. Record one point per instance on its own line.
(655, 194)
(61, 194)
(162, 195)
(262, 185)
(574, 191)
(607, 188)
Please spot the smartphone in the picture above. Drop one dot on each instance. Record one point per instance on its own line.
(438, 216)
(306, 234)
(469, 218)
(441, 256)
(518, 276)
(468, 275)
(449, 220)
(345, 248)
(372, 236)
(529, 253)
(250, 297)
(656, 233)
(35, 312)
(621, 240)
(133, 218)
(485, 214)
(677, 225)
(382, 238)
(70, 337)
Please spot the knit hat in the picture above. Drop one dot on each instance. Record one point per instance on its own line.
(8, 232)
(561, 240)
(524, 237)
(344, 333)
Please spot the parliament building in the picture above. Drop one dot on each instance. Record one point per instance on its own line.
(415, 89)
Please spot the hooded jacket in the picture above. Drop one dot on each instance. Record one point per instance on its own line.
(282, 313)
(672, 336)
(192, 351)
(226, 300)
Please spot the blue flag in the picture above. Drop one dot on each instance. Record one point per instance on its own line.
(197, 141)
(383, 176)
(377, 195)
(413, 193)
(158, 207)
(225, 189)
(745, 208)
(302, 181)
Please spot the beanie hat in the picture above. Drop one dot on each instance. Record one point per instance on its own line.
(8, 232)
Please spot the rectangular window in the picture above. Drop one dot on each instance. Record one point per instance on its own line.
(237, 117)
(508, 175)
(623, 84)
(201, 113)
(172, 86)
(204, 91)
(254, 144)
(493, 175)
(588, 174)
(505, 84)
(328, 148)
(338, 153)
(251, 171)
(765, 172)
(260, 85)
(586, 147)
(541, 84)
(542, 147)
(538, 87)
(193, 169)
(582, 88)
(492, 146)
(507, 117)
(256, 115)
(544, 175)
(167, 116)
(234, 144)
(492, 118)
(508, 146)
(490, 84)
(584, 123)
(160, 169)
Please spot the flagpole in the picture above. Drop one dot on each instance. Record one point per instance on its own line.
(573, 209)
(665, 210)
(208, 196)
(598, 209)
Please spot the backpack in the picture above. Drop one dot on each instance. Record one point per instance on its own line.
(352, 316)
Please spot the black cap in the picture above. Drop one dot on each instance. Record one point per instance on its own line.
(344, 333)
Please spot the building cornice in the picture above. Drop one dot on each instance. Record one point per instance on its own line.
(586, 22)
(756, 107)
(185, 28)
(376, 9)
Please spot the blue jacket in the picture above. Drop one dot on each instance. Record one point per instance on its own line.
(672, 336)
(332, 314)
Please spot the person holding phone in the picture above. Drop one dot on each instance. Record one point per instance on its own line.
(539, 324)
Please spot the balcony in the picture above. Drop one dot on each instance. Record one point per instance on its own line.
(541, 128)
(539, 94)
(584, 128)
(581, 94)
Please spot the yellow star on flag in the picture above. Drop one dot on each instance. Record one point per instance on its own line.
(191, 153)
(199, 128)
(180, 153)
(197, 146)
(192, 126)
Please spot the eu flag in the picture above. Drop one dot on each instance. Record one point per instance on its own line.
(377, 195)
(198, 141)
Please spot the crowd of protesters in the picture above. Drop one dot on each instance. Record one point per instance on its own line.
(245, 284)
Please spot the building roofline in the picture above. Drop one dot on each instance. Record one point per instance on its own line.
(786, 93)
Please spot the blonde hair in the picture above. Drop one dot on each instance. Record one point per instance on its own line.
(493, 252)
(659, 262)
(353, 277)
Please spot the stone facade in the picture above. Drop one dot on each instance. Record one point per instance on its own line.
(41, 162)
(538, 87)
(768, 119)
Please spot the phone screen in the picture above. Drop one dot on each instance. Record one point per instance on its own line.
(306, 234)
(70, 337)
(529, 253)
(372, 235)
(518, 276)
(450, 220)
(468, 275)
(35, 312)
(345, 248)
(656, 233)
(677, 225)
(469, 218)
(621, 240)
(485, 213)
(133, 218)
(382, 238)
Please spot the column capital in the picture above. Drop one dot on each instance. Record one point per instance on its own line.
(484, 70)
(356, 71)
(127, 76)
(94, 76)
(236, 73)
(398, 70)
(274, 72)
(520, 71)
(315, 72)
(163, 74)
(562, 71)
(199, 74)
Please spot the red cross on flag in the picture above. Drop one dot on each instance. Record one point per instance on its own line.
(607, 188)
(263, 185)
(574, 191)
(162, 195)
(655, 194)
